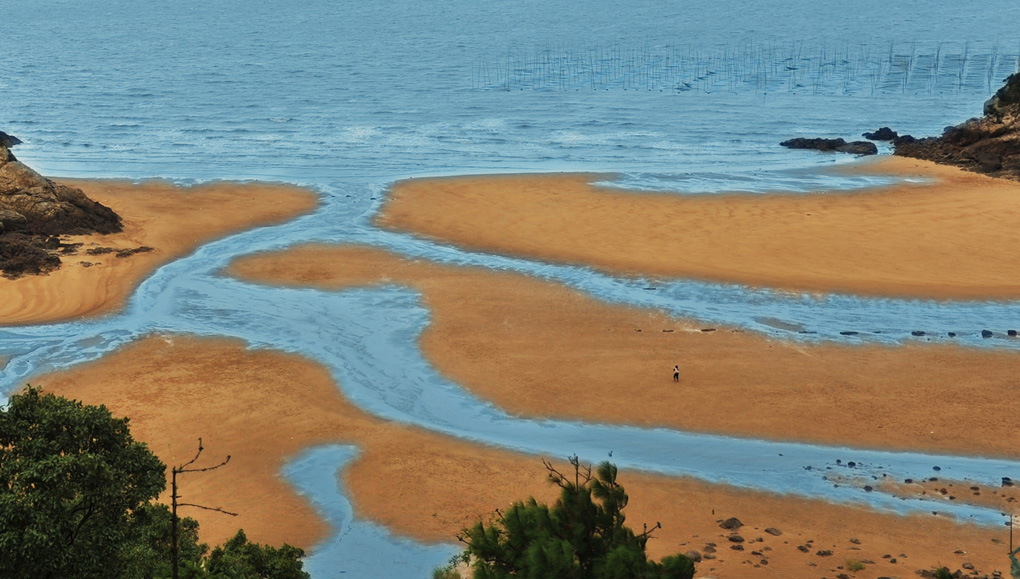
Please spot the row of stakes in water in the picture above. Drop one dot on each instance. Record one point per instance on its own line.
(764, 67)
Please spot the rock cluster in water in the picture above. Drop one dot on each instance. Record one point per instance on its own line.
(990, 144)
(34, 211)
(835, 145)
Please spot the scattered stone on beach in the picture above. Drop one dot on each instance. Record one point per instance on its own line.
(832, 145)
(824, 553)
(986, 333)
(735, 538)
(990, 144)
(129, 252)
(693, 556)
(731, 524)
(917, 333)
(882, 134)
(773, 531)
(1007, 482)
(1011, 333)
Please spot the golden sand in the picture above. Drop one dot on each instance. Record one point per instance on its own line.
(245, 403)
(956, 238)
(539, 349)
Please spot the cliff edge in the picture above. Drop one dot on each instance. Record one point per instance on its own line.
(990, 144)
(35, 211)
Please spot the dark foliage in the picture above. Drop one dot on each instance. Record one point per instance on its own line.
(581, 536)
(70, 478)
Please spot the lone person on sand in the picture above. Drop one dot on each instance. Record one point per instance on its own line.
(676, 373)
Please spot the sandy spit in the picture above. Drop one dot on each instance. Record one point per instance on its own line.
(957, 237)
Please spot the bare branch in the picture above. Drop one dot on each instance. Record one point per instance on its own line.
(182, 469)
(217, 509)
(197, 454)
(648, 532)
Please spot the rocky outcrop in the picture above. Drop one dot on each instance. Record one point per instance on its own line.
(35, 210)
(883, 134)
(990, 144)
(834, 145)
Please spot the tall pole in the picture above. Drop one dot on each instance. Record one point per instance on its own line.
(174, 548)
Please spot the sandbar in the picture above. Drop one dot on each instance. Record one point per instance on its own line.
(262, 407)
(536, 348)
(172, 220)
(954, 237)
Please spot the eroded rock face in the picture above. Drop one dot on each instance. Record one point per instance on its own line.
(34, 209)
(47, 208)
(990, 144)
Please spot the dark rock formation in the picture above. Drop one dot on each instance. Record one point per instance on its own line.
(990, 144)
(883, 134)
(834, 145)
(33, 210)
(731, 524)
(8, 140)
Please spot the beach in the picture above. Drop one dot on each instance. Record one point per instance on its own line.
(248, 404)
(538, 349)
(952, 237)
(173, 221)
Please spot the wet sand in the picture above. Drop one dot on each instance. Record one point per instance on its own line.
(539, 349)
(245, 403)
(956, 238)
(172, 220)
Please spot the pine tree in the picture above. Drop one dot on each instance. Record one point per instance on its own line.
(583, 535)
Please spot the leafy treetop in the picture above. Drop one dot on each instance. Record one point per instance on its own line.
(581, 536)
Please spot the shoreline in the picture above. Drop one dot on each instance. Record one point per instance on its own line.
(429, 486)
(171, 219)
(538, 349)
(912, 240)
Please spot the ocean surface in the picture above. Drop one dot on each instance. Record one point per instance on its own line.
(346, 97)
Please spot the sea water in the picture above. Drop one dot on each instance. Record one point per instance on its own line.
(346, 97)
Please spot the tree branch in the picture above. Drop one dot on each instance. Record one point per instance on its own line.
(217, 509)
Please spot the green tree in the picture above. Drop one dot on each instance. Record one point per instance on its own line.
(239, 559)
(148, 550)
(1014, 564)
(582, 536)
(70, 477)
